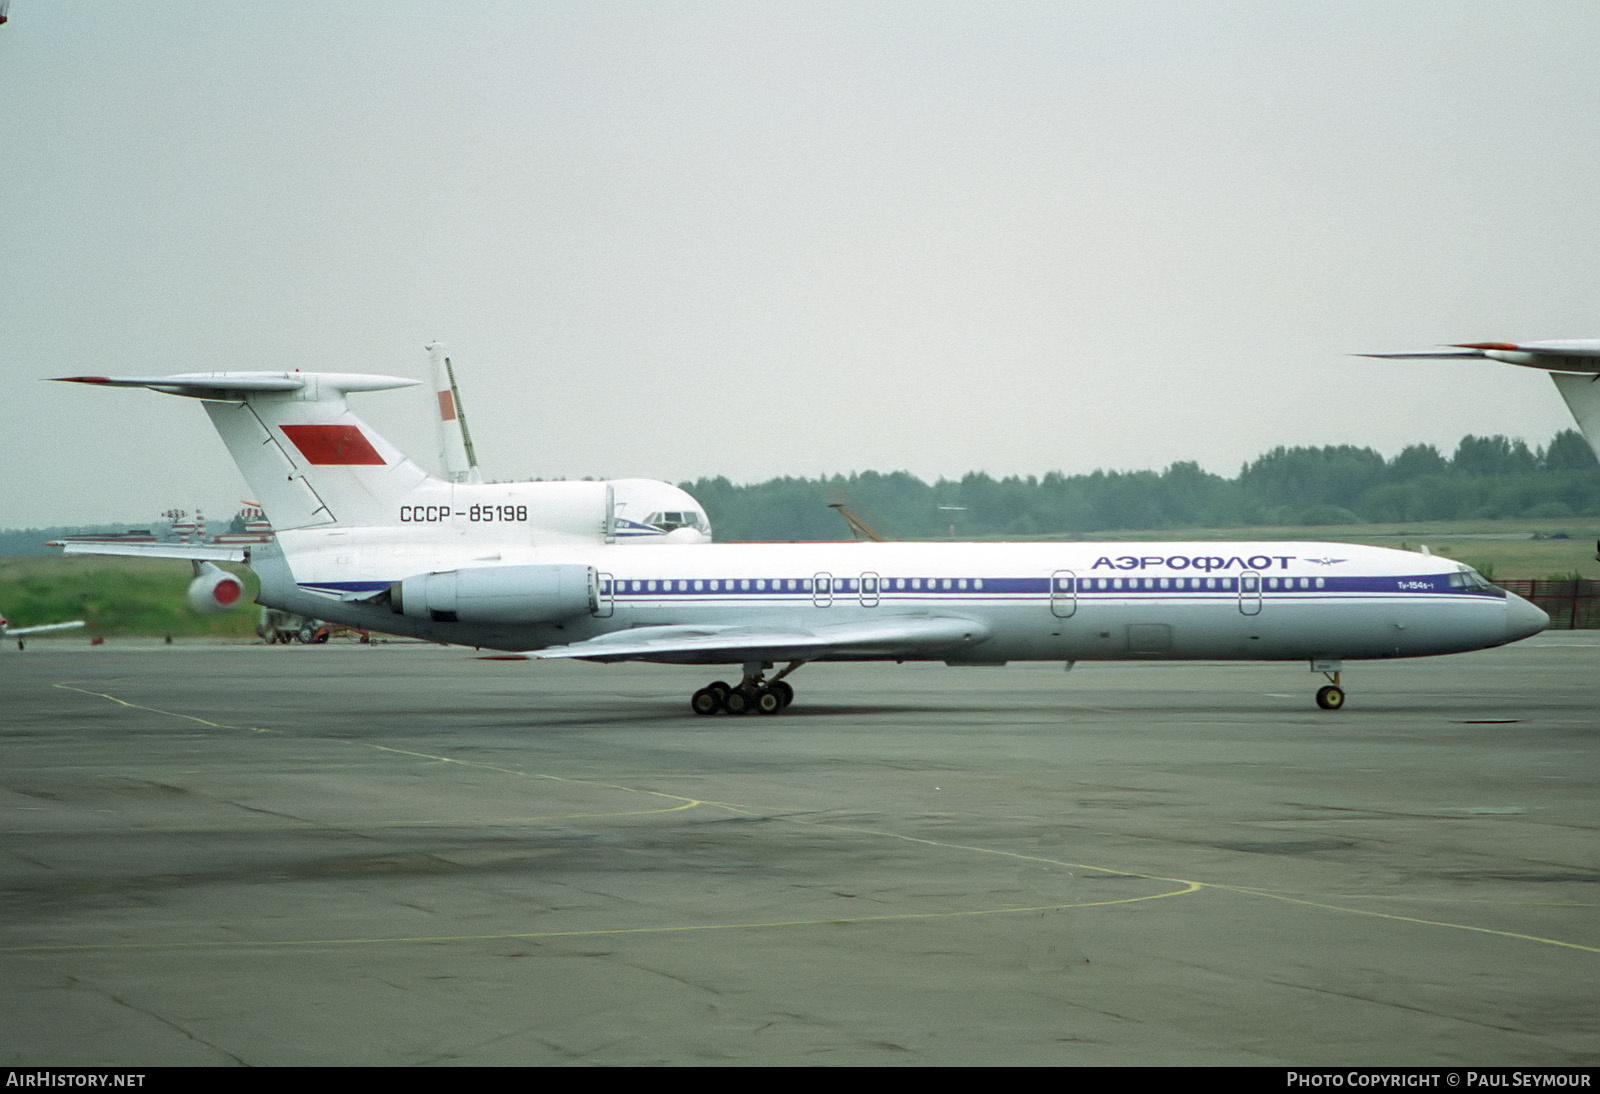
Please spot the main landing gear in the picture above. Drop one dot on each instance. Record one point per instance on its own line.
(754, 694)
(1330, 696)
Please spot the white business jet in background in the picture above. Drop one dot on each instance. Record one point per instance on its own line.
(367, 538)
(642, 510)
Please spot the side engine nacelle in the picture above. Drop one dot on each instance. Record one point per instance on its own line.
(214, 590)
(498, 594)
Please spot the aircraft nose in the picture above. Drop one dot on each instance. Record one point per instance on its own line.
(1523, 620)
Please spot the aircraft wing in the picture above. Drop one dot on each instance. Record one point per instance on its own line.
(18, 632)
(886, 637)
(193, 552)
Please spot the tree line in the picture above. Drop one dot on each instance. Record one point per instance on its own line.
(1486, 478)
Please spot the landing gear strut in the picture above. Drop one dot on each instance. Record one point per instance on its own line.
(1331, 696)
(754, 693)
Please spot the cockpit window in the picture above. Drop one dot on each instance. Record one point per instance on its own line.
(1468, 578)
(673, 519)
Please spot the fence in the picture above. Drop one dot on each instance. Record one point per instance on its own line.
(1572, 603)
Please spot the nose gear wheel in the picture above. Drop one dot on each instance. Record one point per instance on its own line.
(1331, 695)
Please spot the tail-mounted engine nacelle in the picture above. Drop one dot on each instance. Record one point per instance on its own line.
(498, 594)
(214, 590)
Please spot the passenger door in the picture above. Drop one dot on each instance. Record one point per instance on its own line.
(1063, 594)
(1250, 592)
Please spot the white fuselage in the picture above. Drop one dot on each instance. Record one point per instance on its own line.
(1030, 601)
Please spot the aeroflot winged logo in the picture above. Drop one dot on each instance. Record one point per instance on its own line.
(332, 444)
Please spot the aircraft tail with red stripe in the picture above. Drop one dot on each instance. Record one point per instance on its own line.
(309, 460)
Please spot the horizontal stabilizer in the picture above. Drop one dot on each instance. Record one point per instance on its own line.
(234, 385)
(192, 552)
(311, 462)
(888, 637)
(1554, 355)
(1573, 363)
(18, 632)
(1419, 355)
(1554, 347)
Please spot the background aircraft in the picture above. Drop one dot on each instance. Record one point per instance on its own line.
(633, 511)
(367, 538)
(642, 510)
(1573, 364)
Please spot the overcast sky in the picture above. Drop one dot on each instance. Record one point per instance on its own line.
(676, 239)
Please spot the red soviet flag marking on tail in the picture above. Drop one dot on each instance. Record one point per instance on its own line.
(332, 444)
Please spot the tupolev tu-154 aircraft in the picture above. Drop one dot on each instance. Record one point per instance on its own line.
(367, 538)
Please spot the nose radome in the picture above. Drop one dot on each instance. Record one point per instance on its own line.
(1523, 620)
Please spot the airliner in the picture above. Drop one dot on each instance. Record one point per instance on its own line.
(367, 538)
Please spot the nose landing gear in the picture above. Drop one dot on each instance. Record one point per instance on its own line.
(1330, 696)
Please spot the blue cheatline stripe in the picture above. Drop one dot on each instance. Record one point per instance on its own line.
(1003, 588)
(346, 586)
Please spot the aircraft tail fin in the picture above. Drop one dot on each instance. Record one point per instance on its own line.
(308, 458)
(456, 456)
(1582, 394)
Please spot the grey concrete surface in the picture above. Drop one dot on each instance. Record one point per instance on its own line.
(407, 855)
